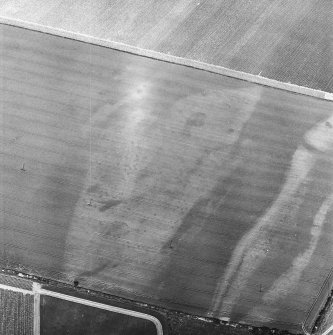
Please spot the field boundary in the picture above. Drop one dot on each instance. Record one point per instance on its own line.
(318, 304)
(15, 289)
(256, 79)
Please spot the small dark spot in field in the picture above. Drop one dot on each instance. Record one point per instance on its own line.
(115, 229)
(94, 188)
(196, 120)
(96, 270)
(328, 124)
(76, 283)
(109, 204)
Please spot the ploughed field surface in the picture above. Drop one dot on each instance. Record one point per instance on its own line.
(163, 184)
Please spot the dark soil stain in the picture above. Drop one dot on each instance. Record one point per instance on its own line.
(96, 270)
(94, 188)
(109, 204)
(119, 228)
(197, 120)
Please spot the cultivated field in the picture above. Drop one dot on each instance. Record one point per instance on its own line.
(286, 40)
(162, 183)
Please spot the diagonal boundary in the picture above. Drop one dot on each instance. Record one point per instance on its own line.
(257, 79)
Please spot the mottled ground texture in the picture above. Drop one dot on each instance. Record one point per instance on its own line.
(285, 40)
(16, 313)
(163, 184)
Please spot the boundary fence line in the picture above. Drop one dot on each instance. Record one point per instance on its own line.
(256, 79)
(318, 304)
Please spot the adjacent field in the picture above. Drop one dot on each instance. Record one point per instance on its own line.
(286, 40)
(27, 308)
(64, 317)
(16, 313)
(162, 183)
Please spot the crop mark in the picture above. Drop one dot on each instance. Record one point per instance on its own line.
(250, 251)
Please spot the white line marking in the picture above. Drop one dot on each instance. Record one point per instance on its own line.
(330, 329)
(15, 289)
(35, 288)
(328, 96)
(39, 290)
(169, 58)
